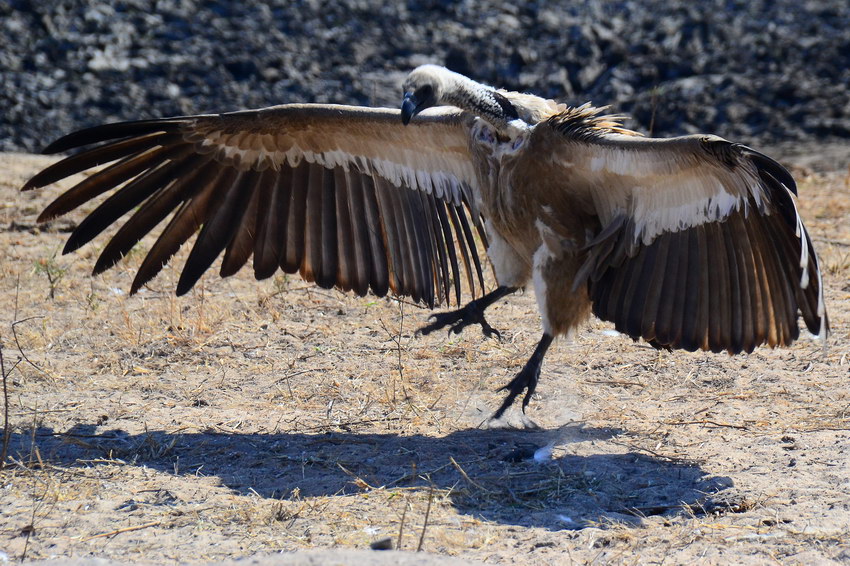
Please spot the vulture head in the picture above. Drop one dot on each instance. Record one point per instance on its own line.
(432, 85)
(423, 88)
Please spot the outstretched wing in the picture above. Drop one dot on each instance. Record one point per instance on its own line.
(700, 244)
(345, 195)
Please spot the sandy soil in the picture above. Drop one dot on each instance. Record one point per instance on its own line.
(258, 417)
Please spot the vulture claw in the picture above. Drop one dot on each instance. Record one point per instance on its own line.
(472, 313)
(525, 380)
(489, 331)
(458, 320)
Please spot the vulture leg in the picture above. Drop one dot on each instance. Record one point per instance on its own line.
(472, 313)
(526, 378)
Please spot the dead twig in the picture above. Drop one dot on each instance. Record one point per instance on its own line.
(402, 301)
(347, 424)
(658, 455)
(124, 530)
(18, 343)
(427, 514)
(466, 477)
(17, 322)
(396, 339)
(7, 430)
(707, 422)
(612, 382)
(358, 481)
(401, 524)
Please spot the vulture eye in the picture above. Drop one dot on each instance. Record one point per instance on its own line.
(425, 96)
(417, 101)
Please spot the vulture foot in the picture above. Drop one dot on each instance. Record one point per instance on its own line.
(459, 319)
(472, 313)
(525, 380)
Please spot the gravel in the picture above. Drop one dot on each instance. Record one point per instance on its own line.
(753, 71)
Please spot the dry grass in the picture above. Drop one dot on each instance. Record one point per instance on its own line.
(259, 416)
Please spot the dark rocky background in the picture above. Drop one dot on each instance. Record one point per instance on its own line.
(753, 71)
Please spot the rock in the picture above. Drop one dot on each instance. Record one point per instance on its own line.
(755, 72)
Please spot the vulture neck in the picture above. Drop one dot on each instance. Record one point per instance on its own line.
(483, 101)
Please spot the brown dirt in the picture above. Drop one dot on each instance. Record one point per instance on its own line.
(254, 417)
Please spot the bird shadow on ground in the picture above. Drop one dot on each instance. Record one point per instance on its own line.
(490, 474)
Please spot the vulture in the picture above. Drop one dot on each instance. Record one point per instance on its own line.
(690, 242)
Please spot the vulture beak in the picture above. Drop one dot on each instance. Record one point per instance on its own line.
(408, 107)
(416, 102)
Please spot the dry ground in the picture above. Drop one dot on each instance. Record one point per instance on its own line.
(252, 417)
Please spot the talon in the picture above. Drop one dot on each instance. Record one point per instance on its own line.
(441, 320)
(472, 313)
(526, 379)
(490, 332)
(458, 320)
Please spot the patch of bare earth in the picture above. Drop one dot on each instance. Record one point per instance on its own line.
(253, 417)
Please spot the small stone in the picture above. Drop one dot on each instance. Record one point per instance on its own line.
(382, 544)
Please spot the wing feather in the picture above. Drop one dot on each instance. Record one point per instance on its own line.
(218, 226)
(462, 243)
(665, 334)
(422, 274)
(717, 304)
(312, 262)
(655, 284)
(241, 245)
(329, 241)
(446, 227)
(152, 212)
(701, 245)
(272, 215)
(347, 196)
(471, 247)
(635, 297)
(86, 160)
(381, 265)
(182, 226)
(346, 273)
(104, 180)
(438, 244)
(123, 200)
(296, 217)
(393, 236)
(360, 256)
